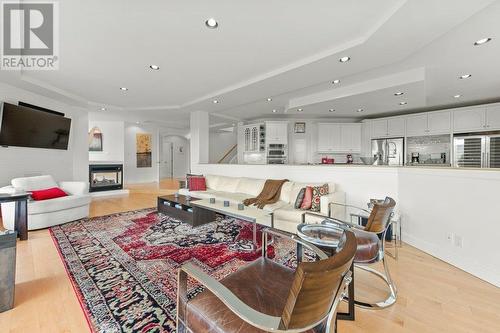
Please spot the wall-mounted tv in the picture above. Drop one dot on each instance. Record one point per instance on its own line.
(21, 126)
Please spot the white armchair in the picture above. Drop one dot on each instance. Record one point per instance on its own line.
(47, 213)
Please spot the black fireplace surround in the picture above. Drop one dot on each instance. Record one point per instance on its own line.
(105, 177)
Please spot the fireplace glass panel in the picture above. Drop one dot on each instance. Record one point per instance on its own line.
(100, 178)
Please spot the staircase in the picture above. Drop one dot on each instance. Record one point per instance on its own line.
(230, 157)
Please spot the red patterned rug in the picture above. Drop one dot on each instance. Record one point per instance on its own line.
(124, 266)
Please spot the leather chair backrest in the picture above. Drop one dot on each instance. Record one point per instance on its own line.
(380, 215)
(315, 287)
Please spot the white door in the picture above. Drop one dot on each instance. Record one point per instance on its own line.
(439, 122)
(379, 128)
(396, 127)
(166, 164)
(416, 125)
(469, 120)
(493, 117)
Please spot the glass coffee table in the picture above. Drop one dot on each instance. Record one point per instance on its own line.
(330, 239)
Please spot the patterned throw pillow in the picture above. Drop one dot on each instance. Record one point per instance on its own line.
(317, 192)
(300, 198)
(306, 202)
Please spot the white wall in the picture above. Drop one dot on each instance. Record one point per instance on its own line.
(440, 202)
(220, 143)
(62, 164)
(131, 173)
(113, 141)
(433, 203)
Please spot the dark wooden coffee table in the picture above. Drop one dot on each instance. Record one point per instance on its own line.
(180, 208)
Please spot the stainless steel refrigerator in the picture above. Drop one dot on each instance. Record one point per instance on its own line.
(477, 151)
(388, 151)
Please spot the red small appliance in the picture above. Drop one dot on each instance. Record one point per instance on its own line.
(326, 160)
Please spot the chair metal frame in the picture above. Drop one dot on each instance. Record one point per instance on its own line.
(242, 310)
(386, 276)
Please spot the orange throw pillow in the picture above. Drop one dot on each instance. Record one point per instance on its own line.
(307, 201)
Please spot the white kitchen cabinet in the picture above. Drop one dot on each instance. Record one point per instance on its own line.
(416, 125)
(276, 132)
(439, 122)
(472, 119)
(396, 126)
(339, 138)
(350, 138)
(388, 127)
(252, 138)
(379, 128)
(493, 117)
(328, 137)
(431, 123)
(366, 138)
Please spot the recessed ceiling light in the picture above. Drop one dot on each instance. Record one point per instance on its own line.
(403, 103)
(300, 110)
(269, 99)
(482, 41)
(137, 122)
(457, 96)
(215, 101)
(336, 81)
(211, 23)
(465, 76)
(331, 110)
(345, 59)
(103, 109)
(154, 67)
(123, 89)
(399, 93)
(360, 110)
(274, 110)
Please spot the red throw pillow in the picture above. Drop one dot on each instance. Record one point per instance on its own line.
(49, 193)
(197, 184)
(307, 201)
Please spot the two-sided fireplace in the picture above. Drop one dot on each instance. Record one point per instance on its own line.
(105, 177)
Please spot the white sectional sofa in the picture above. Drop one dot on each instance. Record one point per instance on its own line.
(47, 213)
(286, 217)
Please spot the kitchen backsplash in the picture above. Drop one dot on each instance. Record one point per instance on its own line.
(430, 149)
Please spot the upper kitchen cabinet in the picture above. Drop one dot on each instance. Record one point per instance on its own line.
(388, 127)
(339, 138)
(493, 117)
(276, 132)
(328, 137)
(350, 138)
(252, 138)
(432, 123)
(473, 119)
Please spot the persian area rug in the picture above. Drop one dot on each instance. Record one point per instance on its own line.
(124, 266)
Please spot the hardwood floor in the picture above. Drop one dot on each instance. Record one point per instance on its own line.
(433, 296)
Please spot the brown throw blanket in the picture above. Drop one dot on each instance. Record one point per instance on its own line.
(269, 194)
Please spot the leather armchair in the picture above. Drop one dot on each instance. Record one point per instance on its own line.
(265, 296)
(371, 245)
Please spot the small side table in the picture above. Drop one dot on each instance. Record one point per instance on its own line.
(21, 214)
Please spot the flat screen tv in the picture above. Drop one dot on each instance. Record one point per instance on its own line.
(26, 127)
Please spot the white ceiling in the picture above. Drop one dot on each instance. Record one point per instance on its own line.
(287, 50)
